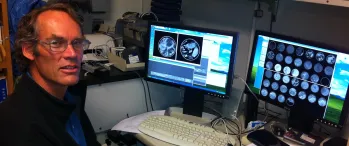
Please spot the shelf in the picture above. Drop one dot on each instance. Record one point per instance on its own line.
(4, 65)
(7, 64)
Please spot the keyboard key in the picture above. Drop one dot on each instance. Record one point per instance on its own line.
(180, 137)
(163, 132)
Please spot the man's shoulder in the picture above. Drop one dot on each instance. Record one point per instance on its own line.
(14, 110)
(14, 121)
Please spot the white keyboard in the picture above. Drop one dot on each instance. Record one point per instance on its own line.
(181, 132)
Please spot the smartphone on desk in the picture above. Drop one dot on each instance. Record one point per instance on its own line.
(265, 138)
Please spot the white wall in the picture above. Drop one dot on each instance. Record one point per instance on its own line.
(110, 103)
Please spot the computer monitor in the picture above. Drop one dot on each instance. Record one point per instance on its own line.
(200, 60)
(309, 79)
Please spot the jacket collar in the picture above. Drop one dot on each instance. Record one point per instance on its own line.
(46, 104)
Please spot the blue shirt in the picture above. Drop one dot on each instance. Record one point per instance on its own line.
(73, 125)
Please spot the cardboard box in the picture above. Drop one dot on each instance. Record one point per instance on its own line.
(121, 64)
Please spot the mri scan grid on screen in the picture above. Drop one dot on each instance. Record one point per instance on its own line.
(295, 74)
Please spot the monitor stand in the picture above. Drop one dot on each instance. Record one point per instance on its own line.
(301, 120)
(193, 102)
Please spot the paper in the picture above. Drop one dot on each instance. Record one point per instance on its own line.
(87, 57)
(131, 124)
(133, 59)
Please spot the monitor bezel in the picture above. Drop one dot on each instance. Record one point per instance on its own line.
(345, 110)
(200, 29)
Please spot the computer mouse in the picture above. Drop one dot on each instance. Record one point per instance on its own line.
(264, 138)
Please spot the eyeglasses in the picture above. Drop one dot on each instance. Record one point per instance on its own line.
(61, 45)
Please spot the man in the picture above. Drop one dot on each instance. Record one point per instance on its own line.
(40, 112)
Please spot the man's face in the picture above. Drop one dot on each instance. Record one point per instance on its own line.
(61, 68)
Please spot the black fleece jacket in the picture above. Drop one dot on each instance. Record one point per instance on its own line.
(33, 117)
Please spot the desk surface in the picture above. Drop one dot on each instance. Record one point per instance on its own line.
(150, 141)
(113, 75)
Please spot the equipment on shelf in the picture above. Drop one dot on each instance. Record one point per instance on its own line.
(167, 10)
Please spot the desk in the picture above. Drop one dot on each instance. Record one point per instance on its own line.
(113, 75)
(150, 141)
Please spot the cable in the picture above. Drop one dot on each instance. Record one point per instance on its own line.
(96, 52)
(254, 95)
(273, 15)
(112, 39)
(151, 102)
(271, 22)
(238, 124)
(235, 128)
(214, 110)
(226, 130)
(156, 17)
(145, 96)
(265, 109)
(225, 121)
(239, 130)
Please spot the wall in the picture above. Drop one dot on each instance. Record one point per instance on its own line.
(107, 104)
(119, 7)
(309, 21)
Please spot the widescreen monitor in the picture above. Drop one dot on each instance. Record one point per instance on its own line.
(309, 79)
(201, 60)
